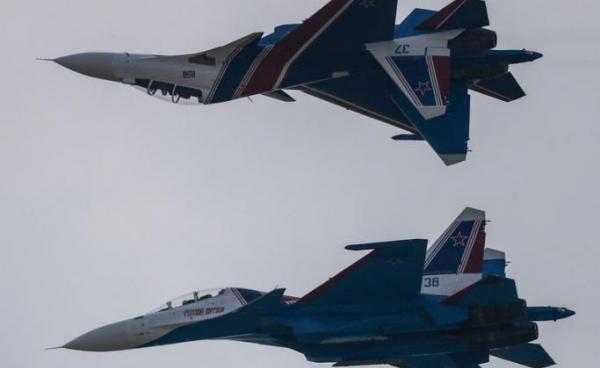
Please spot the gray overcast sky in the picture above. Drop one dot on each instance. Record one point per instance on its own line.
(113, 202)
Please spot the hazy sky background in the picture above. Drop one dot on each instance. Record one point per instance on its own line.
(112, 202)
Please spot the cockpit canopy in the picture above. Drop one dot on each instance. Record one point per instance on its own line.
(243, 296)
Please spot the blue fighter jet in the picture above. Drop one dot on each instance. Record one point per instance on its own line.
(414, 76)
(451, 306)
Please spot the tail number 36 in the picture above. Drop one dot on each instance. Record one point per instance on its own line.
(431, 282)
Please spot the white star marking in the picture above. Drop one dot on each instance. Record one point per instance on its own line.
(423, 88)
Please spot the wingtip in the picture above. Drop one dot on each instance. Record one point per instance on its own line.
(534, 55)
(453, 159)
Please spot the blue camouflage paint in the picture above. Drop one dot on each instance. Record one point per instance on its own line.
(494, 267)
(346, 41)
(279, 32)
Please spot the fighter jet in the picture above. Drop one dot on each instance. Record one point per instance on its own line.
(415, 75)
(449, 306)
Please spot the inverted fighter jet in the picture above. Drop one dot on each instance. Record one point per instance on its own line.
(451, 306)
(414, 76)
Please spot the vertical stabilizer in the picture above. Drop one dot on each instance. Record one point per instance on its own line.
(455, 260)
(494, 263)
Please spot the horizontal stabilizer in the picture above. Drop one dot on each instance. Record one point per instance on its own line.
(487, 292)
(460, 14)
(529, 355)
(279, 95)
(365, 94)
(392, 272)
(504, 87)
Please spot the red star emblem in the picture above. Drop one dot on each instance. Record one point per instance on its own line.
(459, 239)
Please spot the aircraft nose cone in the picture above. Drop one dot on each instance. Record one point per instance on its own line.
(108, 338)
(93, 64)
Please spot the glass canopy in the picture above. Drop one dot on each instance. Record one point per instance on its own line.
(244, 296)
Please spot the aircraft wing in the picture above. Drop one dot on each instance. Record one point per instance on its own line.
(331, 40)
(504, 87)
(392, 272)
(371, 94)
(365, 94)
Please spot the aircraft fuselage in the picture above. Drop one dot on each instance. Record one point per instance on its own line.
(323, 335)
